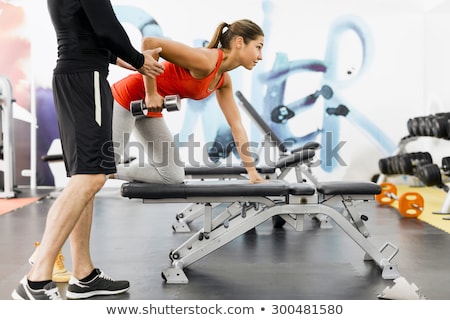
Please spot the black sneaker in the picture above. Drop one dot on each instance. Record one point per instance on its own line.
(100, 285)
(24, 292)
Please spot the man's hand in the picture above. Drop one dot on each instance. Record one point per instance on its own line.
(151, 67)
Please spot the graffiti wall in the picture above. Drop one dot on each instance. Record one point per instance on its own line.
(345, 74)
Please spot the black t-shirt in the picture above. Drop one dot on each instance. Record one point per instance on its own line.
(89, 36)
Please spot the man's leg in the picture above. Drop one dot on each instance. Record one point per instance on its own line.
(62, 217)
(88, 281)
(61, 220)
(82, 264)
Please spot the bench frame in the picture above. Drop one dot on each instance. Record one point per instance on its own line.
(244, 213)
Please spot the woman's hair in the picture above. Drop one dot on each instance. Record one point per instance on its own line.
(245, 28)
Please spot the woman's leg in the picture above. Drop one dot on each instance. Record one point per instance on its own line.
(161, 163)
(123, 124)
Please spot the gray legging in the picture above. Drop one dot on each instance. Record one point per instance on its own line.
(157, 161)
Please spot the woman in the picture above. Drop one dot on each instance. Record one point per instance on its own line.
(193, 73)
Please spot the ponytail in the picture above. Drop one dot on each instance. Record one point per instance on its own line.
(245, 28)
(216, 39)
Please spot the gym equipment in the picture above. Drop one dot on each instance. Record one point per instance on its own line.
(421, 168)
(253, 204)
(406, 163)
(270, 137)
(7, 159)
(434, 125)
(299, 159)
(171, 103)
(402, 290)
(432, 175)
(281, 168)
(223, 145)
(282, 114)
(410, 204)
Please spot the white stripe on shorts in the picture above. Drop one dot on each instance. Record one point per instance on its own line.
(98, 102)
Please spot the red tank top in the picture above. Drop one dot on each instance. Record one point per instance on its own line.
(174, 80)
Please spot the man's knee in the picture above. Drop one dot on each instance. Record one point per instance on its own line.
(98, 181)
(91, 182)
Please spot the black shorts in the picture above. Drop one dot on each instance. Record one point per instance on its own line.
(84, 106)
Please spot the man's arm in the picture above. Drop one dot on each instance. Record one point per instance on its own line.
(107, 27)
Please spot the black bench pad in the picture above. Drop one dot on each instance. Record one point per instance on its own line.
(222, 170)
(211, 189)
(348, 187)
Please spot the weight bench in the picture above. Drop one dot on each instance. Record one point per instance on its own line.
(249, 205)
(299, 160)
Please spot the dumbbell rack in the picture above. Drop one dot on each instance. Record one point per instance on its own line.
(435, 126)
(7, 165)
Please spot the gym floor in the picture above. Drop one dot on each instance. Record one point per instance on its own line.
(132, 240)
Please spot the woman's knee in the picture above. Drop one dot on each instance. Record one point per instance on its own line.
(176, 176)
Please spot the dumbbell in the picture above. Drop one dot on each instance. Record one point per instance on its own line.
(432, 175)
(171, 103)
(440, 125)
(435, 125)
(406, 163)
(410, 204)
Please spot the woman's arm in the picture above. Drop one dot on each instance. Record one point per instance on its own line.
(153, 100)
(199, 61)
(231, 112)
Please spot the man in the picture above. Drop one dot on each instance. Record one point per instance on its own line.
(89, 37)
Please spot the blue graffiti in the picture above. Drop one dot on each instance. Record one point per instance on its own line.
(335, 107)
(138, 17)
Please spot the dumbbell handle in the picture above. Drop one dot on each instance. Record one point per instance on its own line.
(171, 103)
(391, 195)
(396, 198)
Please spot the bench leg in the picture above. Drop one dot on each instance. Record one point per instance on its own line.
(389, 271)
(201, 244)
(187, 215)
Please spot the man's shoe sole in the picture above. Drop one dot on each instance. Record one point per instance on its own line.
(16, 296)
(85, 295)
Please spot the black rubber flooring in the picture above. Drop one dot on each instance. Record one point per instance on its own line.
(132, 240)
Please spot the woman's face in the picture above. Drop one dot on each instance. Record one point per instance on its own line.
(252, 53)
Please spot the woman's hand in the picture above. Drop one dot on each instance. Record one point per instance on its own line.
(256, 178)
(154, 102)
